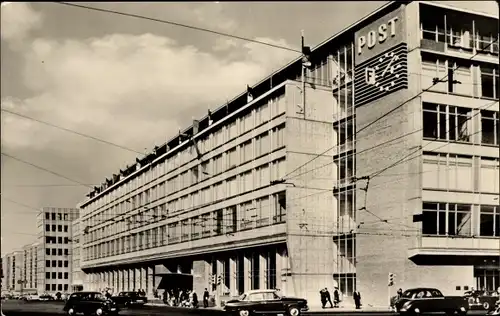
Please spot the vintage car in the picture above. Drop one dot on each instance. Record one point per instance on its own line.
(480, 300)
(265, 302)
(129, 299)
(430, 300)
(93, 303)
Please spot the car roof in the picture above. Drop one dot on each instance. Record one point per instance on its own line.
(423, 289)
(87, 292)
(260, 291)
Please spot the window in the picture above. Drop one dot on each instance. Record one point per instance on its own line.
(47, 263)
(447, 172)
(65, 275)
(489, 175)
(54, 275)
(490, 127)
(59, 240)
(489, 82)
(59, 252)
(444, 122)
(445, 219)
(279, 137)
(279, 201)
(47, 216)
(59, 228)
(59, 263)
(246, 151)
(53, 216)
(47, 251)
(66, 287)
(59, 287)
(232, 160)
(66, 252)
(47, 275)
(47, 228)
(54, 251)
(53, 228)
(262, 144)
(60, 275)
(47, 287)
(489, 221)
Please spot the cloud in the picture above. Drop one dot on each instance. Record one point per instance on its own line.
(18, 20)
(132, 90)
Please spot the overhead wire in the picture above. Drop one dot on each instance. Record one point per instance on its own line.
(392, 110)
(72, 131)
(142, 17)
(44, 169)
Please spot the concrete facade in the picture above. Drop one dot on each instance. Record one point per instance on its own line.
(54, 252)
(269, 192)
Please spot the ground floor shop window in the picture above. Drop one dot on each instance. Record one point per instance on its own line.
(487, 279)
(346, 282)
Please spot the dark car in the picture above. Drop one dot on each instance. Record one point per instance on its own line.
(129, 298)
(430, 300)
(480, 300)
(46, 297)
(265, 302)
(93, 303)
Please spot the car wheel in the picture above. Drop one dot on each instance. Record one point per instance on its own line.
(71, 311)
(99, 312)
(486, 305)
(293, 311)
(244, 313)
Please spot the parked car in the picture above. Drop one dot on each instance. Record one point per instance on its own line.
(480, 300)
(430, 300)
(90, 303)
(32, 297)
(46, 297)
(129, 299)
(265, 302)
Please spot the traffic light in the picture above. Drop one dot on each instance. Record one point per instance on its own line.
(391, 279)
(212, 279)
(219, 279)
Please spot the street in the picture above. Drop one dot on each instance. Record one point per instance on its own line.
(15, 308)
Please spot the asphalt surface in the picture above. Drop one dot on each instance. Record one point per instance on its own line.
(15, 308)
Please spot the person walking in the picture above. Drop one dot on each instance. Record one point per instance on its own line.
(195, 300)
(328, 297)
(357, 299)
(322, 295)
(336, 297)
(205, 298)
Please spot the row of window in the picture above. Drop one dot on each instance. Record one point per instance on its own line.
(60, 228)
(268, 110)
(56, 240)
(56, 287)
(57, 216)
(56, 252)
(56, 263)
(455, 124)
(449, 219)
(265, 211)
(460, 173)
(462, 77)
(245, 182)
(56, 275)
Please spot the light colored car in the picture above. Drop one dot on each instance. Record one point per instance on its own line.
(32, 297)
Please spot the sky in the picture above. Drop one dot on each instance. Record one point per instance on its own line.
(131, 82)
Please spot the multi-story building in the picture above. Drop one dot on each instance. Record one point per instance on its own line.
(55, 244)
(30, 266)
(13, 271)
(386, 161)
(77, 273)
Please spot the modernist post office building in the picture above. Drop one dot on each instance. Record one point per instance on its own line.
(391, 165)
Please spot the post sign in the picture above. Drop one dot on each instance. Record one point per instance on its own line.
(380, 35)
(381, 53)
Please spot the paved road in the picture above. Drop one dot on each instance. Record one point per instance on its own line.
(18, 308)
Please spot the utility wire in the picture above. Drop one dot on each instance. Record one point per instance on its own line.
(21, 204)
(142, 17)
(46, 170)
(392, 110)
(71, 131)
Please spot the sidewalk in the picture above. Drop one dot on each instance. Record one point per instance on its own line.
(312, 309)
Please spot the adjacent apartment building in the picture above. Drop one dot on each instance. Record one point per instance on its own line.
(385, 161)
(77, 274)
(13, 265)
(54, 252)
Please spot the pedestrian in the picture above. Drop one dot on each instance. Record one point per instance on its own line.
(195, 300)
(357, 299)
(205, 298)
(336, 297)
(328, 297)
(322, 296)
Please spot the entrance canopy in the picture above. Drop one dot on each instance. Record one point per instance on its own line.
(173, 281)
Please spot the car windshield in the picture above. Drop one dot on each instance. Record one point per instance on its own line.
(99, 297)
